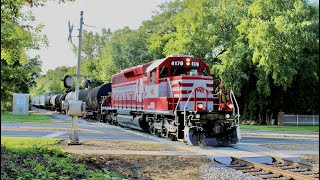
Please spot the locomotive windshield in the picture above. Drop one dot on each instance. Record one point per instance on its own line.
(164, 72)
(188, 71)
(179, 66)
(177, 71)
(192, 72)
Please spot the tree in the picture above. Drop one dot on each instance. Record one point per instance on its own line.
(125, 49)
(17, 78)
(261, 53)
(17, 36)
(161, 28)
(276, 49)
(92, 44)
(17, 69)
(51, 82)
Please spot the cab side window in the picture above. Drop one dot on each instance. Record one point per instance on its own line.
(152, 76)
(164, 72)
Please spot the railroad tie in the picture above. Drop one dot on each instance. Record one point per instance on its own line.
(287, 167)
(297, 170)
(269, 176)
(259, 173)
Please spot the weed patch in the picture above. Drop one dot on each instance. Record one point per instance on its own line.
(46, 162)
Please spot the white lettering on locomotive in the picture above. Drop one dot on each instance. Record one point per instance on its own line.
(176, 63)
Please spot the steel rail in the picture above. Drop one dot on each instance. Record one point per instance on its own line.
(287, 169)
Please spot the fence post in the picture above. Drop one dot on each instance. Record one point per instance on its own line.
(297, 120)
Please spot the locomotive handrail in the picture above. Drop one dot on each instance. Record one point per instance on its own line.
(172, 95)
(170, 87)
(235, 102)
(175, 110)
(184, 108)
(102, 100)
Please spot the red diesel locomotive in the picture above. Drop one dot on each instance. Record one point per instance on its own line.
(174, 97)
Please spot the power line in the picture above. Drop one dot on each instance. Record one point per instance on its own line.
(90, 25)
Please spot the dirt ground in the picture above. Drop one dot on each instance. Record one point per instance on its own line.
(138, 166)
(118, 146)
(307, 158)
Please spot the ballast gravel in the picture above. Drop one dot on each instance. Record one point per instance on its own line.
(221, 172)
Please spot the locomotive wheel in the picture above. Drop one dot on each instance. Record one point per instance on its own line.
(108, 118)
(164, 133)
(172, 137)
(99, 118)
(151, 129)
(103, 118)
(158, 133)
(115, 123)
(191, 136)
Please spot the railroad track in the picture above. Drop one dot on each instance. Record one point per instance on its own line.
(278, 169)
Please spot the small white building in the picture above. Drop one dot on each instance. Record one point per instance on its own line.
(20, 105)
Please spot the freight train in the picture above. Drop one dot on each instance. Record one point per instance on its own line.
(174, 97)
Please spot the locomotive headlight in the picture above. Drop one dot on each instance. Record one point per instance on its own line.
(200, 105)
(227, 116)
(188, 61)
(197, 116)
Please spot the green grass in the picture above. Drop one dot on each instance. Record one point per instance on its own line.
(39, 158)
(26, 142)
(31, 117)
(282, 128)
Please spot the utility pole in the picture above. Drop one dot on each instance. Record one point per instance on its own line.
(74, 138)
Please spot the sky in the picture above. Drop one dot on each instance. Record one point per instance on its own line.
(113, 14)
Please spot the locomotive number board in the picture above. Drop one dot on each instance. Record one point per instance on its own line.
(176, 63)
(181, 63)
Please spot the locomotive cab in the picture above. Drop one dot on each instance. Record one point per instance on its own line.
(175, 77)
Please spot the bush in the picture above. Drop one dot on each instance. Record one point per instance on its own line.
(46, 163)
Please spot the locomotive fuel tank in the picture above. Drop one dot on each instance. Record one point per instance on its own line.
(134, 122)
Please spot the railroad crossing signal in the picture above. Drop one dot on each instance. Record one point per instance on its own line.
(70, 32)
(67, 81)
(73, 136)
